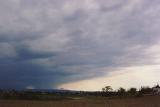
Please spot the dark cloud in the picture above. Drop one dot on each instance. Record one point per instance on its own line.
(44, 43)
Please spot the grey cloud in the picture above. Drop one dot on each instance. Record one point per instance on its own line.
(61, 41)
(7, 50)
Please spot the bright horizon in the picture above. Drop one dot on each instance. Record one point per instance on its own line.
(79, 45)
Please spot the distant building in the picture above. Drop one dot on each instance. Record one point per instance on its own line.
(156, 90)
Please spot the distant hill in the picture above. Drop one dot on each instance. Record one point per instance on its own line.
(50, 90)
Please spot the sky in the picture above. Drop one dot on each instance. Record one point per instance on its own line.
(79, 44)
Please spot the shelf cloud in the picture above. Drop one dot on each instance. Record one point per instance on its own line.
(49, 43)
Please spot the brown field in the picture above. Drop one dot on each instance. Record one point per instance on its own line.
(149, 101)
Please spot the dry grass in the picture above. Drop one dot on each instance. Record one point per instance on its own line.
(151, 101)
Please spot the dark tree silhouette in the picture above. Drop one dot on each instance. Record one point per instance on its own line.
(107, 89)
(132, 91)
(121, 91)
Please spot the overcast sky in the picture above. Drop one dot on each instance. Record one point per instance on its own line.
(79, 44)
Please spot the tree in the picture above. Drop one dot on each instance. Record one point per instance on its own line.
(107, 89)
(145, 90)
(132, 91)
(121, 91)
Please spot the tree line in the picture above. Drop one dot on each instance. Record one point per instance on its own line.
(107, 91)
(131, 92)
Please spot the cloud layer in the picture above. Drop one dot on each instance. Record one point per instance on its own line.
(46, 43)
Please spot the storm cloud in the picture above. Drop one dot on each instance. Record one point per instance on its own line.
(46, 43)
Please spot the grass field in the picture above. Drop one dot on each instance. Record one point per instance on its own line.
(149, 101)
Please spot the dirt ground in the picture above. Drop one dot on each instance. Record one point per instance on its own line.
(149, 101)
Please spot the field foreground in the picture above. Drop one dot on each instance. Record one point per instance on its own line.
(149, 101)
